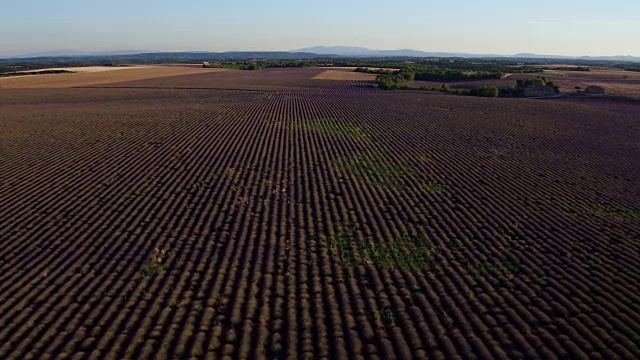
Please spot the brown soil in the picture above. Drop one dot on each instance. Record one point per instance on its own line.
(91, 68)
(87, 78)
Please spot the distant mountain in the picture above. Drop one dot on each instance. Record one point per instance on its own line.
(336, 50)
(142, 56)
(164, 57)
(273, 55)
(596, 58)
(541, 56)
(364, 52)
(351, 51)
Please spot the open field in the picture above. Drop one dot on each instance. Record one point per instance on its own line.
(91, 69)
(98, 75)
(269, 80)
(603, 74)
(265, 214)
(344, 75)
(616, 82)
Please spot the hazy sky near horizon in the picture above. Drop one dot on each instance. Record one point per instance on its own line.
(559, 27)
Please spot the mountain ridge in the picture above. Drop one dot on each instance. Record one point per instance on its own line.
(304, 53)
(364, 52)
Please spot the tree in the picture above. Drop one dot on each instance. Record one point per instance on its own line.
(386, 82)
(485, 91)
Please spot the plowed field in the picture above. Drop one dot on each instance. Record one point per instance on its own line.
(269, 215)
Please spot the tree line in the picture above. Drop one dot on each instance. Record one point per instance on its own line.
(402, 79)
(263, 64)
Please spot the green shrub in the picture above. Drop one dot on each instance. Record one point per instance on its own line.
(395, 81)
(485, 91)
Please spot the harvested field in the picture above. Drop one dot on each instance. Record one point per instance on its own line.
(91, 69)
(616, 82)
(604, 74)
(344, 75)
(99, 76)
(150, 221)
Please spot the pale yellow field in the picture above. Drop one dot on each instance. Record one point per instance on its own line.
(92, 69)
(611, 74)
(620, 88)
(344, 75)
(98, 76)
(614, 81)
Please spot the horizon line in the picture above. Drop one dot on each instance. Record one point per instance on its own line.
(73, 53)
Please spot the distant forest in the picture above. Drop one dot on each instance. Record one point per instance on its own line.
(425, 69)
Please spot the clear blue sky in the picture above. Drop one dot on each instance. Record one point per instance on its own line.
(478, 26)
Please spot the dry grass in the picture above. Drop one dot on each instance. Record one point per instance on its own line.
(90, 69)
(614, 81)
(344, 75)
(97, 77)
(608, 74)
(615, 73)
(620, 88)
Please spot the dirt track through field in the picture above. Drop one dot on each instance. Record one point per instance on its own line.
(322, 222)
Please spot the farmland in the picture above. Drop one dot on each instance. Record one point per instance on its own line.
(295, 213)
(97, 75)
(615, 81)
